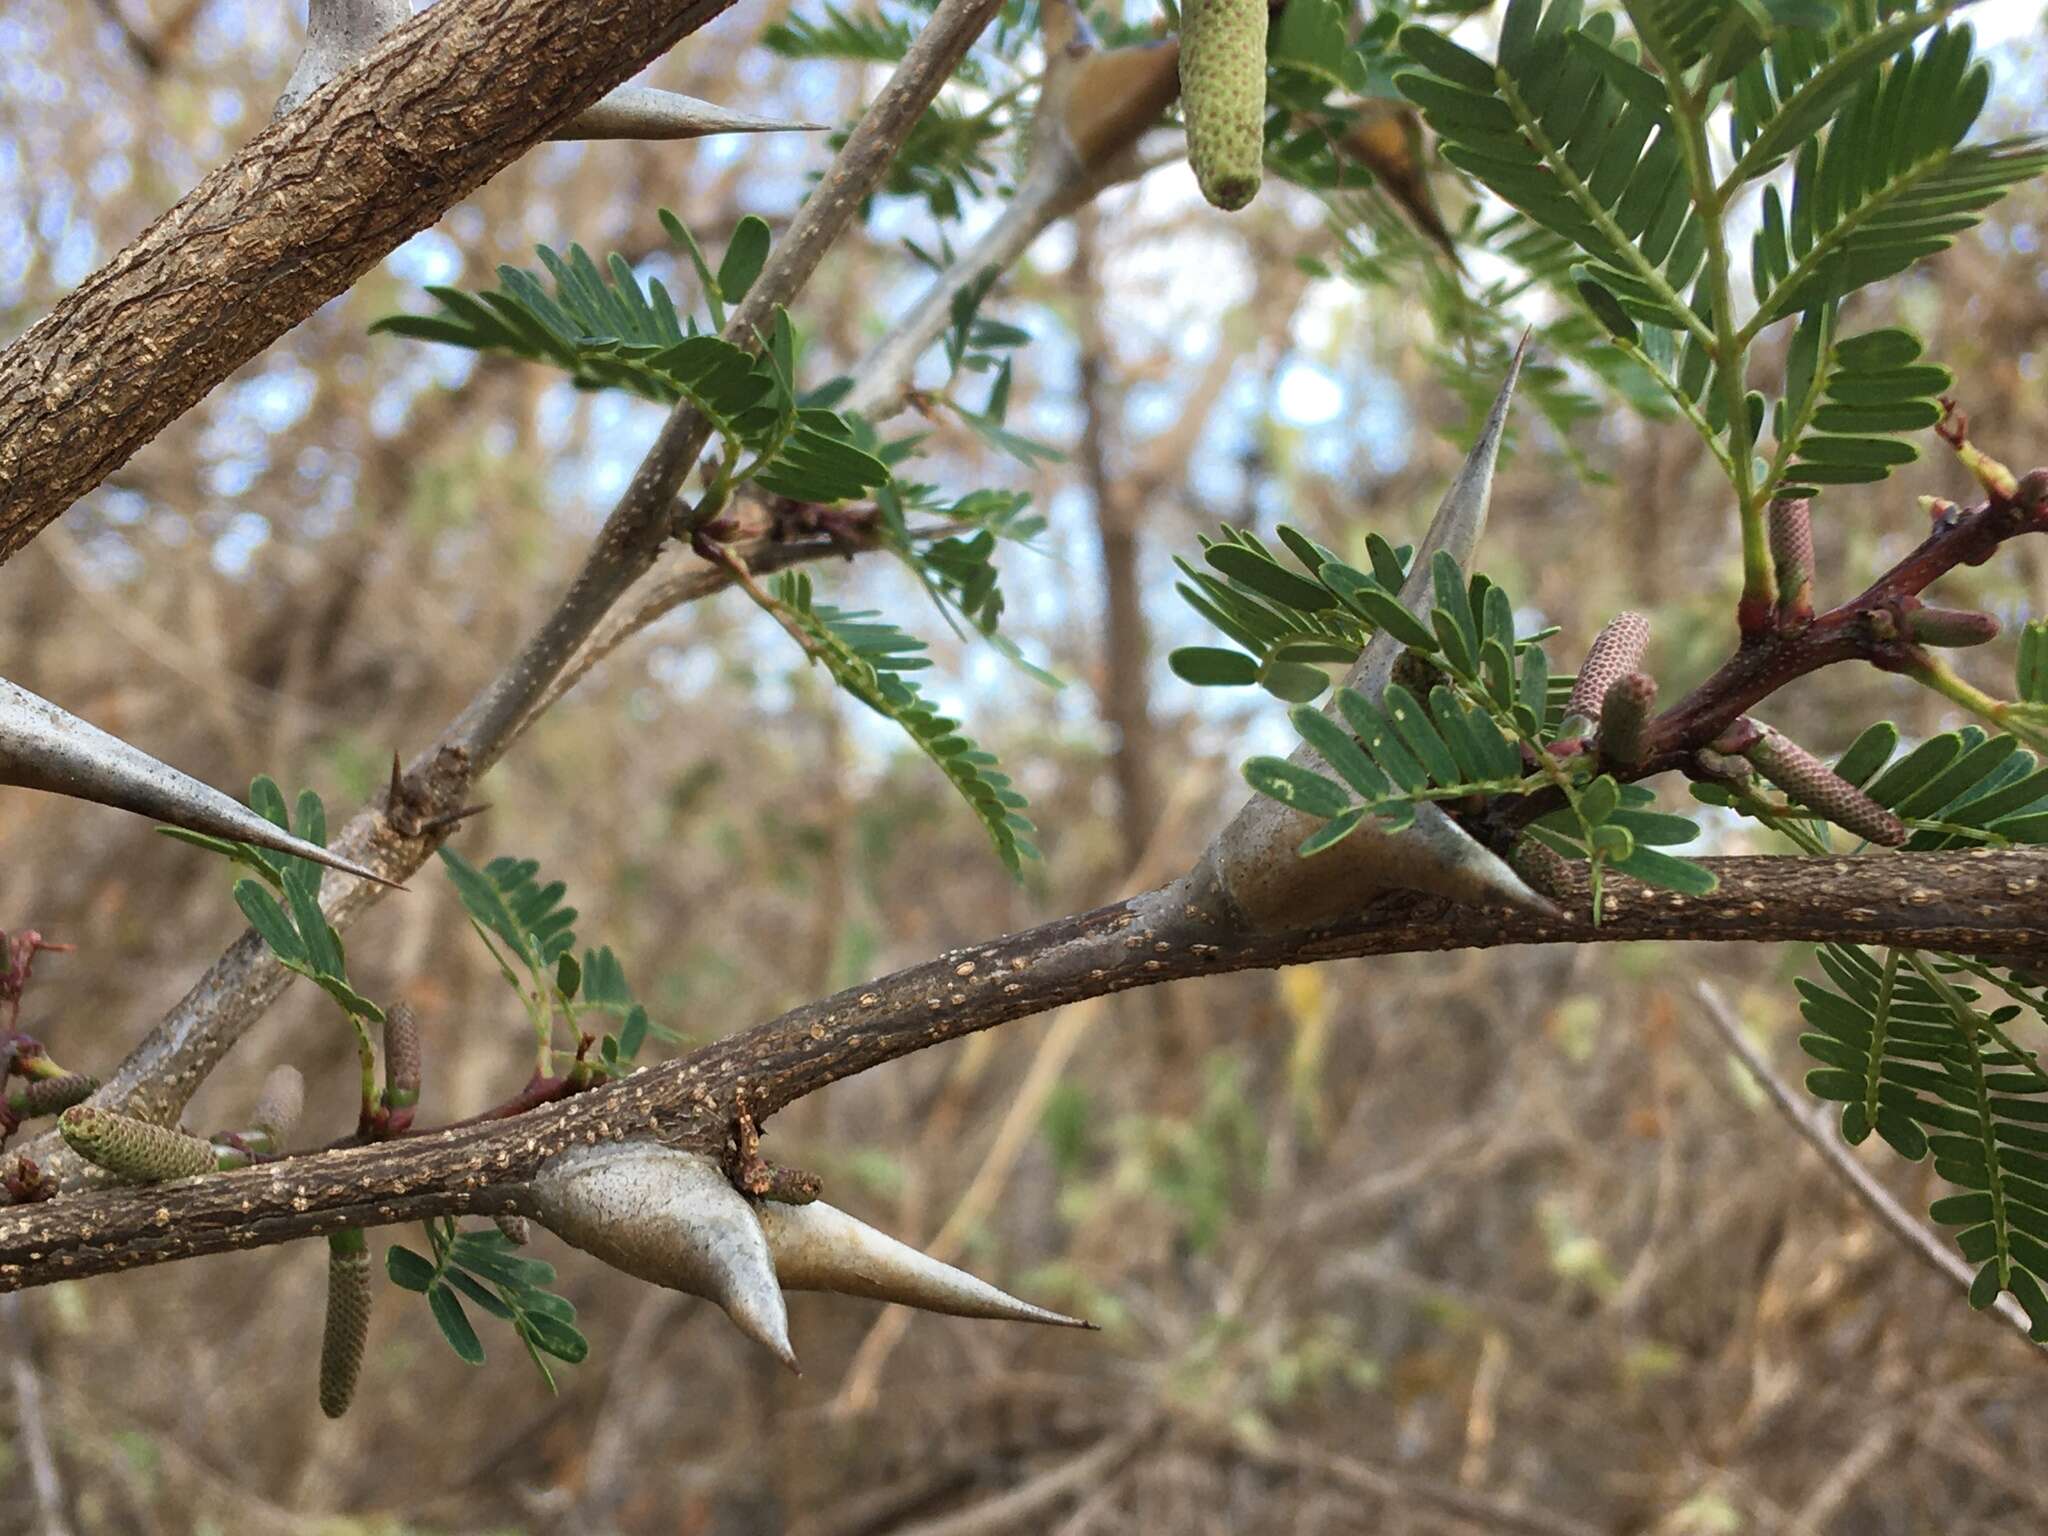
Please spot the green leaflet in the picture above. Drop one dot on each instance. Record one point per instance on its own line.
(1905, 1051)
(609, 331)
(507, 901)
(868, 658)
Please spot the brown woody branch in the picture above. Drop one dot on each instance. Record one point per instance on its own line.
(1958, 902)
(294, 217)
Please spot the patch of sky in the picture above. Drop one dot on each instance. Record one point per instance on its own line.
(232, 551)
(429, 257)
(110, 174)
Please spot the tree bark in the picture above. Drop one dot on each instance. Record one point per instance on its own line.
(1984, 901)
(292, 219)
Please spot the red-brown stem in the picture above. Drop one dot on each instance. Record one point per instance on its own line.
(1869, 627)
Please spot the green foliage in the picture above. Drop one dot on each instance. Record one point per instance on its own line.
(608, 332)
(527, 929)
(1906, 1053)
(295, 929)
(484, 1268)
(1844, 400)
(868, 657)
(1476, 723)
(1598, 138)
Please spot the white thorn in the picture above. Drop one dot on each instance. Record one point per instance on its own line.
(672, 1218)
(641, 112)
(1459, 521)
(44, 747)
(818, 1247)
(340, 32)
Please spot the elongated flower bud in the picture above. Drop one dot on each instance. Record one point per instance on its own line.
(1616, 651)
(1791, 536)
(1819, 788)
(51, 1095)
(1953, 627)
(401, 1058)
(1625, 719)
(133, 1149)
(279, 1106)
(1223, 96)
(348, 1320)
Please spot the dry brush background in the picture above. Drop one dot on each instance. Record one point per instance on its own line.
(1493, 1242)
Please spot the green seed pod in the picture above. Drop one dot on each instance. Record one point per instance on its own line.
(348, 1320)
(1625, 718)
(51, 1095)
(1819, 788)
(1223, 96)
(401, 1058)
(1616, 651)
(1951, 627)
(133, 1149)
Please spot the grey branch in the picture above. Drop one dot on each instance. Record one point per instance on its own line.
(340, 32)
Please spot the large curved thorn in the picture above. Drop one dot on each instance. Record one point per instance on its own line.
(340, 32)
(641, 112)
(44, 747)
(674, 1219)
(818, 1247)
(1459, 521)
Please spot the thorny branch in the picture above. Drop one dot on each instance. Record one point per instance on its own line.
(1964, 902)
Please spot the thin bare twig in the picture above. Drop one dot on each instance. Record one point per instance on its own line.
(1812, 1122)
(31, 1428)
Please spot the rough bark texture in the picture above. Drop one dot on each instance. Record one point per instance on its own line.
(292, 219)
(1972, 902)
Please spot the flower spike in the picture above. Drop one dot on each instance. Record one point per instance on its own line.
(279, 1106)
(349, 1289)
(1615, 652)
(44, 747)
(135, 1151)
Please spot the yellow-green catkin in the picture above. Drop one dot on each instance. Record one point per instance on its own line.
(1223, 96)
(135, 1150)
(348, 1320)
